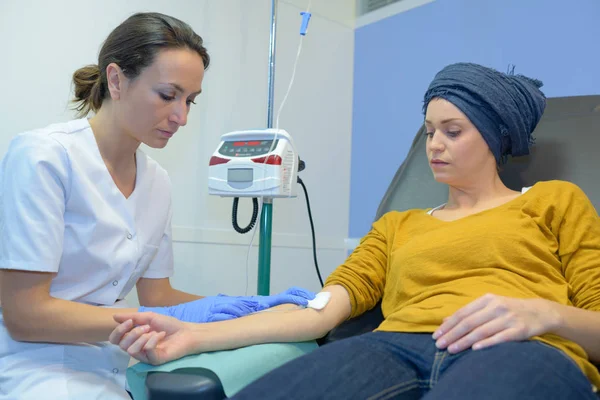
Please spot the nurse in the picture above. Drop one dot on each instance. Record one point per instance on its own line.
(85, 216)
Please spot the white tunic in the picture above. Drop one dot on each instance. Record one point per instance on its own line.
(60, 211)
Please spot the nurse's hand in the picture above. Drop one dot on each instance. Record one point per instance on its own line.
(221, 307)
(208, 309)
(152, 338)
(293, 295)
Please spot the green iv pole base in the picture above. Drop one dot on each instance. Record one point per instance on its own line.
(264, 248)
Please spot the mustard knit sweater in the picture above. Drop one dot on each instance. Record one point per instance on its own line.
(543, 244)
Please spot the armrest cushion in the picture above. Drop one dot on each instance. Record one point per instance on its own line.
(235, 368)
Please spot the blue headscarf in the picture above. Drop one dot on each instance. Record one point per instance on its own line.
(505, 108)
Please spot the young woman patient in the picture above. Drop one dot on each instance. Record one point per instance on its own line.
(494, 294)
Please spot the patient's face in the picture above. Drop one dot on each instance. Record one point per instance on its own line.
(457, 153)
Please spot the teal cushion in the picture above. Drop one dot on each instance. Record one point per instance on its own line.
(236, 368)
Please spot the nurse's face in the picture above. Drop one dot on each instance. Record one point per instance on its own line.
(457, 153)
(155, 104)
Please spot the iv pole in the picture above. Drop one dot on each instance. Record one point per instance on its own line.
(266, 215)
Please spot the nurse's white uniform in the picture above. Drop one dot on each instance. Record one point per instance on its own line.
(60, 211)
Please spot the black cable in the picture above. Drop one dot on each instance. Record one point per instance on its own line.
(252, 220)
(312, 228)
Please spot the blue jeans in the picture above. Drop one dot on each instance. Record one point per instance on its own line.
(392, 365)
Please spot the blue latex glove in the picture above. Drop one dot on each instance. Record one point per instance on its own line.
(222, 307)
(208, 309)
(293, 295)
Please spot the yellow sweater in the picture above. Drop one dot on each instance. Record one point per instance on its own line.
(543, 244)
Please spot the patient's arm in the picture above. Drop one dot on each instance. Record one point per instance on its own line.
(156, 339)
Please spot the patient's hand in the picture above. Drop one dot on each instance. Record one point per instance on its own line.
(152, 338)
(493, 319)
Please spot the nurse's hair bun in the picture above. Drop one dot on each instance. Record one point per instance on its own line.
(133, 46)
(88, 89)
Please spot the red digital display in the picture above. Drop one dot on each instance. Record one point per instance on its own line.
(241, 144)
(246, 148)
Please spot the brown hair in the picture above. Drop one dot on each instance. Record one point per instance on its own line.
(132, 45)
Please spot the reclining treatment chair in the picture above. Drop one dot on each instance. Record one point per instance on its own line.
(567, 146)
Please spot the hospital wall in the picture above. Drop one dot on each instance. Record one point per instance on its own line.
(395, 58)
(43, 43)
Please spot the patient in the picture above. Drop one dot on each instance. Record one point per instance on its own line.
(493, 295)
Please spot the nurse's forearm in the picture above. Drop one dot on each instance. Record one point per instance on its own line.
(178, 297)
(62, 321)
(32, 315)
(160, 293)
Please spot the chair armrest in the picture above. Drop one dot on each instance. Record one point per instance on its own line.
(185, 384)
(364, 323)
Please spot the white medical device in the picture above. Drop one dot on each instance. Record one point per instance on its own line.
(254, 163)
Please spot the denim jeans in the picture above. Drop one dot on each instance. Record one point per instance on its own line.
(392, 365)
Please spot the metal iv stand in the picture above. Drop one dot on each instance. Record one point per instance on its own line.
(266, 215)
